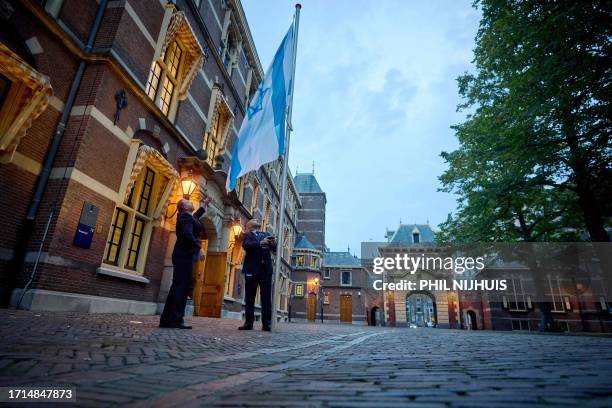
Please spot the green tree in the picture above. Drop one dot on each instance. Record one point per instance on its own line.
(534, 162)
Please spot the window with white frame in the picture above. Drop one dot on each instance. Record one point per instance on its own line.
(555, 295)
(517, 300)
(345, 278)
(326, 298)
(326, 274)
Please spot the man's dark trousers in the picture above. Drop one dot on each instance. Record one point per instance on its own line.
(251, 282)
(176, 301)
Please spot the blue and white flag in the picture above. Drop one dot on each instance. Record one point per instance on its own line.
(261, 138)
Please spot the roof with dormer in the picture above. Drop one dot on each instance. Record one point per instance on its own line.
(404, 234)
(340, 259)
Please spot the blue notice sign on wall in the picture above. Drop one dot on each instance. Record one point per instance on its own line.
(84, 236)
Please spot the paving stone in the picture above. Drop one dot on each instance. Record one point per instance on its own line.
(113, 362)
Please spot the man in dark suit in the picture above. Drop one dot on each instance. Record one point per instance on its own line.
(187, 251)
(257, 269)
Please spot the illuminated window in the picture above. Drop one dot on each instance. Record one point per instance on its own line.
(132, 221)
(313, 261)
(266, 216)
(164, 76)
(24, 95)
(326, 298)
(299, 289)
(212, 138)
(300, 261)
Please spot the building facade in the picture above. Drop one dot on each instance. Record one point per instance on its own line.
(111, 111)
(577, 297)
(311, 217)
(405, 308)
(328, 286)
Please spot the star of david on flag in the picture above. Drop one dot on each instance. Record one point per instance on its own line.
(261, 138)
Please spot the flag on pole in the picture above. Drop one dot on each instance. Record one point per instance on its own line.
(261, 138)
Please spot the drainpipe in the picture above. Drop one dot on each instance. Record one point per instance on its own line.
(43, 179)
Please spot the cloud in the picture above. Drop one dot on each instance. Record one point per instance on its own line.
(375, 96)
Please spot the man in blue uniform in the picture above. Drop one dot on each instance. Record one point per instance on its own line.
(257, 269)
(187, 251)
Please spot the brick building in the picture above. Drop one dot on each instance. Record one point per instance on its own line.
(311, 217)
(578, 297)
(415, 308)
(111, 111)
(306, 279)
(327, 286)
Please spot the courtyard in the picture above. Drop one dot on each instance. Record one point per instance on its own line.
(123, 360)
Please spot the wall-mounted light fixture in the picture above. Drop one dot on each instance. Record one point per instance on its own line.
(188, 186)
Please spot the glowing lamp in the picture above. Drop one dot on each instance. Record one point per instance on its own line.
(188, 186)
(237, 228)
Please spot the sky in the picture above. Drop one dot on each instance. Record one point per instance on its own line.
(375, 96)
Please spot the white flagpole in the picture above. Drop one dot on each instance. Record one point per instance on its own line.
(281, 219)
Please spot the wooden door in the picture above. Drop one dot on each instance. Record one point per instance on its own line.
(198, 279)
(346, 308)
(211, 289)
(312, 307)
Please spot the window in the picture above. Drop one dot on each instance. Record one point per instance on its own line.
(345, 279)
(555, 295)
(299, 289)
(326, 298)
(164, 77)
(603, 304)
(300, 260)
(416, 237)
(266, 215)
(212, 138)
(240, 187)
(133, 219)
(230, 42)
(517, 301)
(313, 261)
(326, 274)
(52, 7)
(24, 95)
(254, 197)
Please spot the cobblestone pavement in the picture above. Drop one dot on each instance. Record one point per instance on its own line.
(126, 360)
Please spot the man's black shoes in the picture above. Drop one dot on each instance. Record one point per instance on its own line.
(246, 327)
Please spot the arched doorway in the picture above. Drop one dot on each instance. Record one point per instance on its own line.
(472, 323)
(374, 316)
(421, 309)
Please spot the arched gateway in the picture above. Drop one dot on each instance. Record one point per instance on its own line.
(421, 309)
